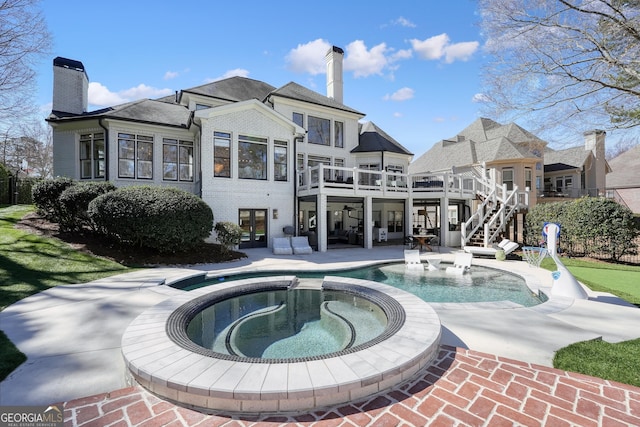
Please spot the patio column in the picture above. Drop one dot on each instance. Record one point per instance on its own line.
(444, 221)
(321, 223)
(368, 222)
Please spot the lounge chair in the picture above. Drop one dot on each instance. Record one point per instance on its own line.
(461, 263)
(282, 246)
(506, 245)
(301, 245)
(412, 259)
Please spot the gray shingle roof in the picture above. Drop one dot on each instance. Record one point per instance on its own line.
(294, 91)
(144, 110)
(234, 89)
(575, 156)
(625, 169)
(484, 140)
(374, 139)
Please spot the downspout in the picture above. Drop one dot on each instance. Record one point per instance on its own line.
(106, 149)
(199, 183)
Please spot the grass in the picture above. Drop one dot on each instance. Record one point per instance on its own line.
(618, 279)
(615, 362)
(597, 358)
(30, 264)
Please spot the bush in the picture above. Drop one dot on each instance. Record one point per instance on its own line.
(229, 235)
(590, 226)
(160, 218)
(45, 196)
(74, 202)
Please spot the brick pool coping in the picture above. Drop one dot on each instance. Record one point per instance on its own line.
(207, 383)
(461, 387)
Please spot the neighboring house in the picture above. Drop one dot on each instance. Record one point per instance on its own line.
(623, 182)
(517, 160)
(578, 171)
(509, 156)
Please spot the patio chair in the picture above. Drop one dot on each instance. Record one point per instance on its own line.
(282, 246)
(461, 263)
(506, 245)
(412, 259)
(301, 245)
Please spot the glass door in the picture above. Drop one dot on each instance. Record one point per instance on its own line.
(254, 228)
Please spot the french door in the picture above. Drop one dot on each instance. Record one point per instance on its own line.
(254, 228)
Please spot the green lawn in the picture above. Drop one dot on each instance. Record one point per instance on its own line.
(618, 279)
(615, 362)
(30, 264)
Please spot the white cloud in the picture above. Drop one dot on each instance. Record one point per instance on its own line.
(400, 95)
(401, 54)
(364, 62)
(236, 72)
(397, 114)
(403, 22)
(460, 51)
(144, 91)
(440, 46)
(308, 58)
(171, 75)
(480, 97)
(101, 96)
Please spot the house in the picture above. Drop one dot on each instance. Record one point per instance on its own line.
(276, 161)
(523, 165)
(623, 182)
(577, 171)
(509, 157)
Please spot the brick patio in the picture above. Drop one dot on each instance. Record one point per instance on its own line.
(462, 388)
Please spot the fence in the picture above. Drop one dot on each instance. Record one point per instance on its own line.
(17, 191)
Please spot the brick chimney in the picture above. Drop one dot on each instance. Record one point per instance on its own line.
(70, 86)
(334, 59)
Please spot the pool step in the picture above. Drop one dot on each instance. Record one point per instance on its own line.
(308, 283)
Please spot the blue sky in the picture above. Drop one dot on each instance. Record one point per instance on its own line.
(412, 67)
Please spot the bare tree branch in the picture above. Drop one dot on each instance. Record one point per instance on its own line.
(24, 39)
(560, 62)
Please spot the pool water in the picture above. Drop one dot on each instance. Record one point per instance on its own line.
(285, 324)
(481, 285)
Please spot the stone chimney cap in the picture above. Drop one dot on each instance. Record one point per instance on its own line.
(336, 49)
(68, 63)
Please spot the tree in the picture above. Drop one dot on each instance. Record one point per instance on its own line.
(24, 38)
(564, 62)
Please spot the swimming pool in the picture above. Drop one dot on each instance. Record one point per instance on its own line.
(483, 284)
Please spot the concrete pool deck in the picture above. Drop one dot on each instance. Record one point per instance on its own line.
(71, 334)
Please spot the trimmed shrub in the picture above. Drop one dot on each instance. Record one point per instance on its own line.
(229, 235)
(45, 196)
(74, 202)
(161, 218)
(591, 226)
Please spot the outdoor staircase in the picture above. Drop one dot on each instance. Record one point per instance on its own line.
(496, 210)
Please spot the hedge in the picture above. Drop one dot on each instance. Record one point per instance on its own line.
(161, 218)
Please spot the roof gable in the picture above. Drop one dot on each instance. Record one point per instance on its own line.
(373, 139)
(251, 104)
